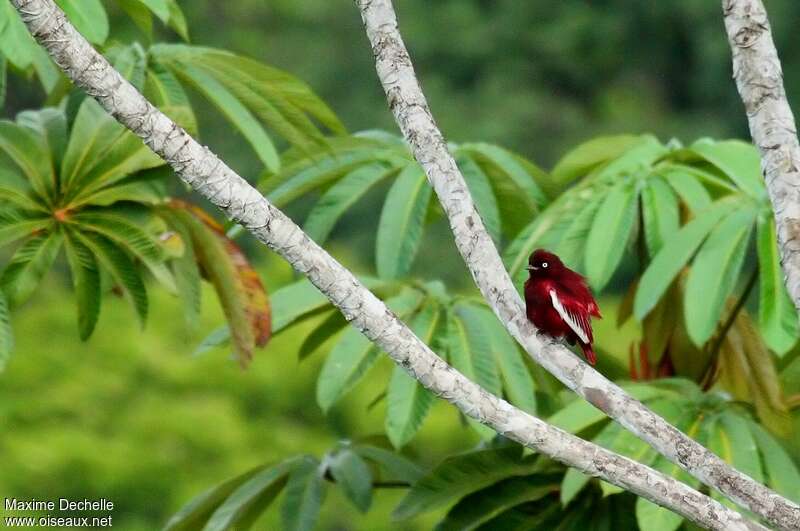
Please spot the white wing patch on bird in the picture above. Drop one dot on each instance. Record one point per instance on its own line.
(570, 318)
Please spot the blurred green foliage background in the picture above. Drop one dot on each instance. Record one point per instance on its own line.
(132, 417)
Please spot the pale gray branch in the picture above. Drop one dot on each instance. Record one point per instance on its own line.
(207, 174)
(758, 75)
(414, 117)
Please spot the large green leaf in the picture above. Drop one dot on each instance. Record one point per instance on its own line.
(659, 213)
(16, 42)
(353, 476)
(187, 275)
(460, 475)
(340, 197)
(714, 273)
(732, 440)
(610, 233)
(86, 283)
(122, 270)
(783, 474)
(29, 152)
(29, 264)
(394, 465)
(587, 156)
(15, 225)
(249, 499)
(407, 402)
(687, 186)
(196, 513)
(517, 381)
(303, 497)
(571, 246)
(777, 317)
(480, 507)
(402, 223)
(6, 334)
(354, 354)
(51, 125)
(738, 160)
(481, 191)
(673, 256)
(89, 17)
(234, 111)
(470, 353)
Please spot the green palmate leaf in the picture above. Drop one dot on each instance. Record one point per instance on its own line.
(217, 338)
(512, 170)
(187, 276)
(294, 182)
(589, 155)
(480, 507)
(640, 155)
(140, 15)
(340, 197)
(28, 265)
(303, 498)
(738, 160)
(160, 8)
(93, 134)
(18, 199)
(674, 256)
(166, 92)
(6, 334)
(3, 79)
(777, 317)
(145, 191)
(234, 111)
(402, 222)
(113, 259)
(571, 245)
(407, 402)
(196, 513)
(295, 301)
(354, 354)
(292, 97)
(86, 283)
(481, 191)
(517, 381)
(781, 470)
(177, 21)
(51, 126)
(89, 17)
(29, 152)
(470, 353)
(15, 225)
(353, 476)
(714, 273)
(247, 500)
(329, 327)
(16, 42)
(460, 475)
(660, 214)
(394, 465)
(687, 186)
(610, 233)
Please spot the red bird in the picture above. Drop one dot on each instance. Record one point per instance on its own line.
(559, 302)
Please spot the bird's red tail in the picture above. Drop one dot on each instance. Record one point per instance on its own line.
(588, 351)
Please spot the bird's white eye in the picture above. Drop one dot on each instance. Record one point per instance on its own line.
(544, 264)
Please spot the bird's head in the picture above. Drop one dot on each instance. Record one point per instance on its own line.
(544, 263)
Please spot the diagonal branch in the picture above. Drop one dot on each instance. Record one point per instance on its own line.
(207, 174)
(413, 115)
(758, 75)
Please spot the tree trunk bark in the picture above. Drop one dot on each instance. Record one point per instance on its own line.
(203, 171)
(758, 75)
(407, 103)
